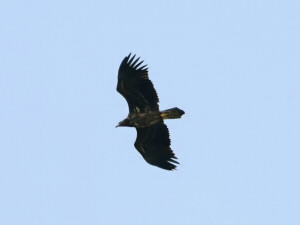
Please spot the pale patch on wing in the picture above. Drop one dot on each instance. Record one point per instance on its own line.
(142, 149)
(136, 109)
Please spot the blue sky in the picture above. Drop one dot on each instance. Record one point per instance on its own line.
(233, 66)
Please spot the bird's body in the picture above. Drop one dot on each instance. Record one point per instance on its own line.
(141, 119)
(147, 119)
(152, 140)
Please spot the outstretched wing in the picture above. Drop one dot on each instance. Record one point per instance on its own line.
(153, 143)
(135, 86)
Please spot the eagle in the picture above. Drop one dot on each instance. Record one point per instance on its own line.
(153, 139)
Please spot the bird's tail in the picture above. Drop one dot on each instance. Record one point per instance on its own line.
(173, 113)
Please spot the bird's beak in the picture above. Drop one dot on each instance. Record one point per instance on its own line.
(118, 125)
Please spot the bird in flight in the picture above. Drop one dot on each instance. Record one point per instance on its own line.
(153, 139)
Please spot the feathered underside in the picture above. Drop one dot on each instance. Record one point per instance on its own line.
(135, 86)
(153, 143)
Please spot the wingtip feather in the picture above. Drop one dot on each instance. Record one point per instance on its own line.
(130, 61)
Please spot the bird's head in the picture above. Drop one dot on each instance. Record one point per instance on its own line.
(124, 123)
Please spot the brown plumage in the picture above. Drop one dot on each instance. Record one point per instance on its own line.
(153, 141)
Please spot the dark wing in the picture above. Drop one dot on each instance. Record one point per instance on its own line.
(153, 143)
(135, 86)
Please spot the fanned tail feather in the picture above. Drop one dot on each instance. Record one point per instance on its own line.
(173, 113)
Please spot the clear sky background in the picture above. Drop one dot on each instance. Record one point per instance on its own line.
(233, 66)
